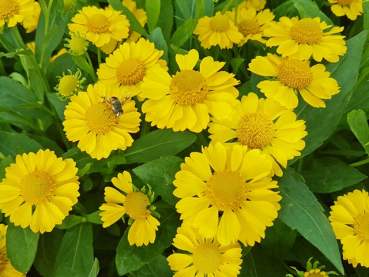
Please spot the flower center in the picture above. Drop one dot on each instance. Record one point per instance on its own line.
(248, 27)
(37, 187)
(226, 190)
(361, 227)
(306, 31)
(207, 258)
(68, 85)
(77, 44)
(219, 23)
(344, 2)
(188, 87)
(315, 273)
(136, 205)
(255, 130)
(295, 74)
(8, 8)
(100, 118)
(98, 23)
(130, 71)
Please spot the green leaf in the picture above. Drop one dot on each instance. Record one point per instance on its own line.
(183, 32)
(95, 269)
(158, 143)
(152, 11)
(58, 104)
(329, 117)
(165, 21)
(258, 263)
(58, 67)
(134, 24)
(14, 144)
(70, 221)
(300, 210)
(333, 176)
(4, 164)
(308, 8)
(183, 7)
(21, 247)
(159, 174)
(48, 247)
(359, 126)
(76, 255)
(157, 38)
(94, 218)
(131, 258)
(156, 268)
(82, 63)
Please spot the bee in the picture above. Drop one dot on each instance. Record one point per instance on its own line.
(116, 103)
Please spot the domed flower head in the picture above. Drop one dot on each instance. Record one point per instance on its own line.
(137, 204)
(91, 120)
(129, 64)
(262, 124)
(77, 44)
(185, 100)
(251, 24)
(39, 190)
(305, 38)
(351, 8)
(225, 191)
(6, 268)
(30, 21)
(203, 256)
(291, 76)
(69, 85)
(217, 30)
(350, 220)
(312, 270)
(14, 11)
(256, 4)
(99, 25)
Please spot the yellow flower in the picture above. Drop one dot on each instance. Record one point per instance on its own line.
(203, 256)
(217, 30)
(312, 270)
(39, 190)
(185, 100)
(262, 124)
(15, 11)
(140, 15)
(6, 268)
(256, 4)
(91, 120)
(349, 218)
(77, 44)
(351, 8)
(251, 24)
(136, 204)
(225, 191)
(69, 85)
(100, 26)
(305, 38)
(30, 21)
(291, 76)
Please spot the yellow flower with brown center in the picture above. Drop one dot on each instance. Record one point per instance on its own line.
(99, 25)
(226, 192)
(185, 100)
(6, 268)
(39, 190)
(262, 124)
(91, 120)
(15, 11)
(351, 8)
(77, 44)
(127, 66)
(251, 24)
(69, 85)
(350, 221)
(291, 76)
(202, 256)
(128, 200)
(305, 38)
(217, 30)
(256, 4)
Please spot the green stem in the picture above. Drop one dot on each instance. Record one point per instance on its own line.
(145, 128)
(2, 156)
(99, 56)
(47, 21)
(202, 139)
(91, 65)
(366, 161)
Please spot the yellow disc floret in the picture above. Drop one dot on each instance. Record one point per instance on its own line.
(8, 8)
(306, 31)
(130, 71)
(100, 118)
(361, 227)
(248, 27)
(98, 23)
(136, 205)
(207, 258)
(219, 23)
(295, 74)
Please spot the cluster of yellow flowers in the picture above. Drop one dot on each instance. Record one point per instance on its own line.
(227, 194)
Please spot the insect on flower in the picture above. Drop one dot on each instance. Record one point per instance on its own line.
(116, 104)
